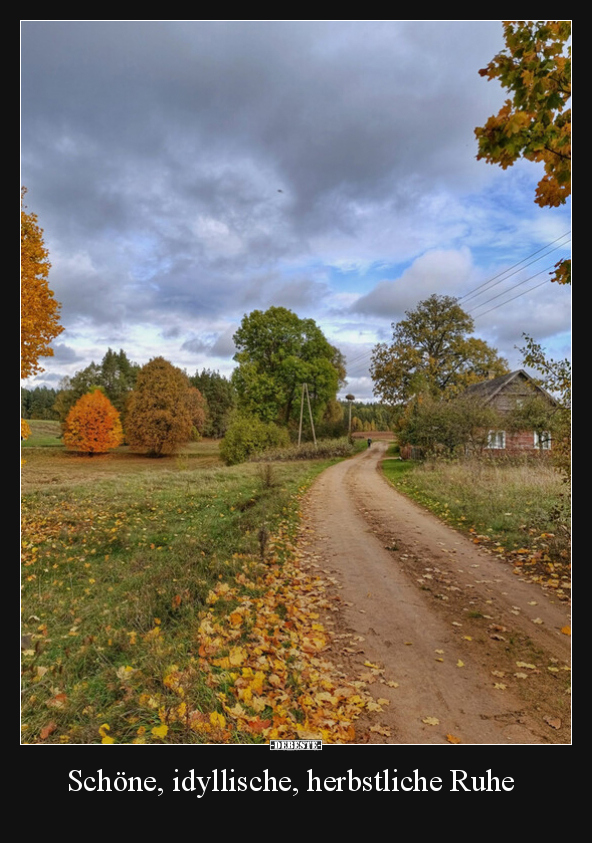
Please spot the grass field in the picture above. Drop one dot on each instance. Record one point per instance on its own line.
(520, 511)
(163, 601)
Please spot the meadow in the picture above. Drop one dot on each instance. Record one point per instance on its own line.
(517, 509)
(163, 601)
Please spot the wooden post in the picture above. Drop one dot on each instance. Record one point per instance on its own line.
(301, 414)
(310, 414)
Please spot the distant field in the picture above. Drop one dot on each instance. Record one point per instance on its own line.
(48, 463)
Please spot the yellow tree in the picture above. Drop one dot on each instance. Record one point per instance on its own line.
(39, 309)
(534, 124)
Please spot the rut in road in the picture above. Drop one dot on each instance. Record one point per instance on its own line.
(445, 620)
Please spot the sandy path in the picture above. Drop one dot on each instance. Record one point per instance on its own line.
(442, 618)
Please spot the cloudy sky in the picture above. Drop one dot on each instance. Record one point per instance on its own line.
(186, 173)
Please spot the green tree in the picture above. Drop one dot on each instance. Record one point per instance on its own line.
(535, 123)
(161, 411)
(432, 353)
(445, 427)
(277, 353)
(115, 374)
(221, 399)
(555, 378)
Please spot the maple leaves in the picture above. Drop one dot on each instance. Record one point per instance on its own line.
(39, 309)
(92, 425)
(535, 123)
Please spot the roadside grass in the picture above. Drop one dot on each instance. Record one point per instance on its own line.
(520, 511)
(167, 606)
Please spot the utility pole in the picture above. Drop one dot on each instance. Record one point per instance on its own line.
(305, 389)
(350, 398)
(301, 413)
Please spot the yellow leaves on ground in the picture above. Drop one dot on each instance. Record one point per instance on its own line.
(431, 721)
(566, 630)
(105, 738)
(453, 739)
(160, 731)
(267, 652)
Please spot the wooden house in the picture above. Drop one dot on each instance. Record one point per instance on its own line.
(504, 394)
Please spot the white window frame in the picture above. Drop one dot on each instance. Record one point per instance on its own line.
(545, 445)
(496, 440)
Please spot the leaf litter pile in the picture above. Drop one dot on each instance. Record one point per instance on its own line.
(139, 626)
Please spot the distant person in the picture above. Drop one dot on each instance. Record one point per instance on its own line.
(369, 441)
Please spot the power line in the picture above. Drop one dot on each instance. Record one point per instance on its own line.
(523, 293)
(472, 293)
(513, 288)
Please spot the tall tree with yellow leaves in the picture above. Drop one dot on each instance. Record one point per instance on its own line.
(39, 310)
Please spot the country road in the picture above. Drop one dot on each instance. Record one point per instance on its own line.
(476, 654)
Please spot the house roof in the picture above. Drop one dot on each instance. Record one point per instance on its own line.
(486, 390)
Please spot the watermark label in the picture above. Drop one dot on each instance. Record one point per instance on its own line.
(296, 744)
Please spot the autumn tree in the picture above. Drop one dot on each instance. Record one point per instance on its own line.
(277, 353)
(535, 123)
(93, 425)
(39, 309)
(432, 353)
(162, 409)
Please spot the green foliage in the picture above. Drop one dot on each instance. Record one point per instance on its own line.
(38, 403)
(249, 435)
(446, 427)
(535, 67)
(221, 398)
(324, 449)
(163, 409)
(431, 353)
(115, 374)
(555, 378)
(277, 353)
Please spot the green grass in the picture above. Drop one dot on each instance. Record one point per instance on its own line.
(117, 575)
(511, 506)
(43, 434)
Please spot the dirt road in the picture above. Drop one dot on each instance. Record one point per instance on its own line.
(476, 654)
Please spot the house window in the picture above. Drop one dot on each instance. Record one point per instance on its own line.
(496, 439)
(542, 440)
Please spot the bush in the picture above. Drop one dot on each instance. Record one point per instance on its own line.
(324, 449)
(247, 435)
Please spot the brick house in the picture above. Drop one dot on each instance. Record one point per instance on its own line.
(503, 394)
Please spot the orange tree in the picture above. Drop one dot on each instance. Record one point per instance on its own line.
(93, 425)
(39, 309)
(534, 124)
(163, 409)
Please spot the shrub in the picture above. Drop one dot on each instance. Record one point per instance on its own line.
(248, 435)
(324, 449)
(93, 425)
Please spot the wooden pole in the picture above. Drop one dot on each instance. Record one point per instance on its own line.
(301, 414)
(310, 414)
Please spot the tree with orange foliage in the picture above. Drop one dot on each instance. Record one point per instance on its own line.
(535, 123)
(163, 409)
(39, 309)
(93, 425)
